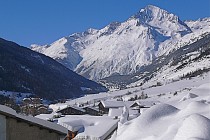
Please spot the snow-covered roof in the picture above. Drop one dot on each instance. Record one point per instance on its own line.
(73, 126)
(93, 108)
(57, 106)
(116, 104)
(144, 103)
(7, 111)
(112, 104)
(78, 108)
(93, 127)
(45, 116)
(26, 99)
(128, 103)
(115, 112)
(74, 107)
(4, 110)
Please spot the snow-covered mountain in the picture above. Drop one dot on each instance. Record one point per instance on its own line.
(123, 48)
(186, 62)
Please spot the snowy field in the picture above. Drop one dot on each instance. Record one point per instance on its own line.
(182, 112)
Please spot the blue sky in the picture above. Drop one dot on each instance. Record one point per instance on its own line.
(44, 21)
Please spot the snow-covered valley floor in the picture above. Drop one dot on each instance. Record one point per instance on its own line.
(179, 111)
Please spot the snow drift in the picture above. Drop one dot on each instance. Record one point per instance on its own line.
(164, 121)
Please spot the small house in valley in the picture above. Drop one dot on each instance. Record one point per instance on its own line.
(72, 110)
(104, 106)
(140, 105)
(44, 110)
(91, 111)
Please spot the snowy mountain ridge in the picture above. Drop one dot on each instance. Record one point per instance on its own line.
(123, 48)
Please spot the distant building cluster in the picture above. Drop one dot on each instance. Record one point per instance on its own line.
(34, 106)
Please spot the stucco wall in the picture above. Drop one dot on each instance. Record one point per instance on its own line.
(2, 127)
(23, 131)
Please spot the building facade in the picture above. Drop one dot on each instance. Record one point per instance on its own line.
(17, 127)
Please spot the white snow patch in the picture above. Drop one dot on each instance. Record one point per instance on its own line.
(194, 127)
(189, 96)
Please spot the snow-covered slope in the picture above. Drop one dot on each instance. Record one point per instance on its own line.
(123, 48)
(181, 63)
(199, 28)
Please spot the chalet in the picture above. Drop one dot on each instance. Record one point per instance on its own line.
(91, 111)
(32, 101)
(114, 108)
(26, 101)
(138, 106)
(17, 127)
(71, 110)
(43, 110)
(104, 106)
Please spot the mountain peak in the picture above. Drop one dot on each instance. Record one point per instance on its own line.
(161, 19)
(153, 13)
(152, 7)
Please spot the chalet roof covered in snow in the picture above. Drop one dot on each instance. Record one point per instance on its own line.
(71, 106)
(112, 104)
(92, 108)
(115, 112)
(94, 127)
(143, 103)
(6, 111)
(116, 104)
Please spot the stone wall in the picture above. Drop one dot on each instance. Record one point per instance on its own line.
(2, 127)
(18, 130)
